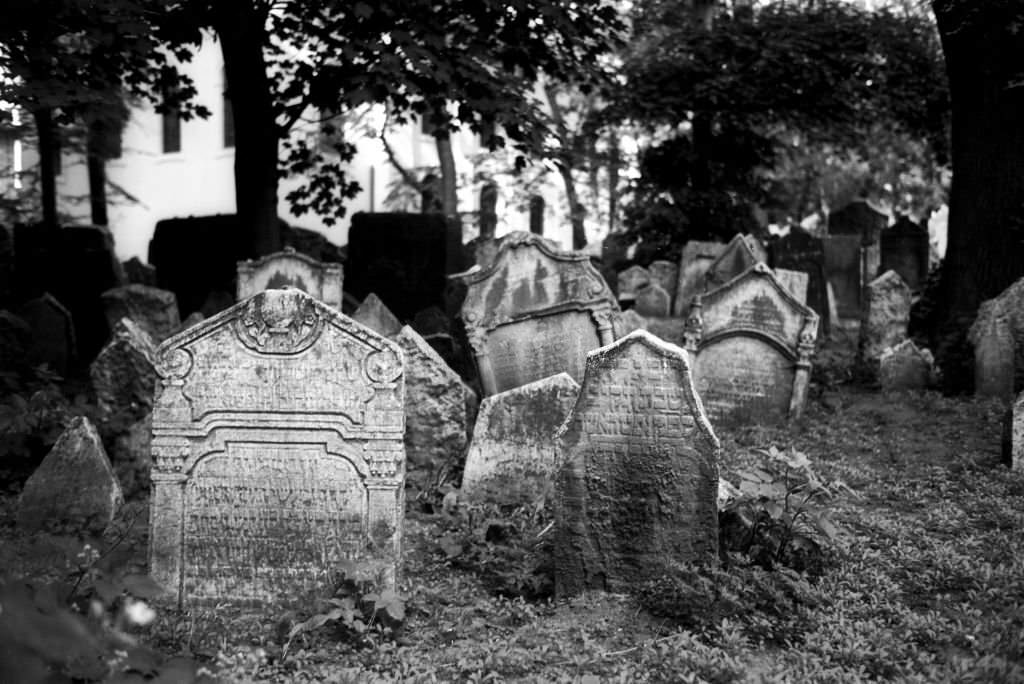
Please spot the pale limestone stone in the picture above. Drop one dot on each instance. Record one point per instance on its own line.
(154, 310)
(435, 410)
(1017, 434)
(278, 459)
(886, 316)
(123, 375)
(638, 488)
(74, 490)
(376, 316)
(513, 457)
(289, 268)
(998, 339)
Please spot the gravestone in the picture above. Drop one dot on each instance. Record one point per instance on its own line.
(795, 282)
(535, 312)
(625, 322)
(997, 336)
(435, 410)
(638, 486)
(858, 218)
(1016, 460)
(513, 457)
(843, 271)
(53, 332)
(377, 317)
(403, 258)
(74, 489)
(289, 268)
(696, 258)
(905, 250)
(138, 273)
(152, 309)
(193, 318)
(631, 280)
(801, 251)
(886, 316)
(665, 274)
(124, 374)
(753, 343)
(130, 456)
(652, 300)
(737, 256)
(905, 367)
(278, 462)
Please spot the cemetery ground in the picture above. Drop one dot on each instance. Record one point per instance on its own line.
(924, 581)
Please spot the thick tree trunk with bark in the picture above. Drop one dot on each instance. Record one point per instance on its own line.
(46, 134)
(985, 253)
(240, 26)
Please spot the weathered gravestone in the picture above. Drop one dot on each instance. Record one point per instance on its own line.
(843, 272)
(997, 335)
(376, 316)
(696, 258)
(435, 410)
(652, 300)
(535, 312)
(886, 316)
(905, 367)
(736, 257)
(637, 490)
(74, 489)
(513, 457)
(53, 332)
(795, 282)
(289, 268)
(625, 322)
(1016, 455)
(631, 280)
(278, 462)
(138, 273)
(152, 309)
(124, 374)
(905, 250)
(801, 251)
(666, 274)
(860, 219)
(753, 343)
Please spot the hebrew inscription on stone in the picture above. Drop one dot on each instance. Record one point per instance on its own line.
(535, 348)
(278, 460)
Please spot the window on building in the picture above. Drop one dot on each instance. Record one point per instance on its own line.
(171, 132)
(229, 115)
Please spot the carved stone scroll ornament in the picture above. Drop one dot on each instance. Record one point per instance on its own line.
(270, 325)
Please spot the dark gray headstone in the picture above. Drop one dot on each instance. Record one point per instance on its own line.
(905, 250)
(53, 332)
(801, 251)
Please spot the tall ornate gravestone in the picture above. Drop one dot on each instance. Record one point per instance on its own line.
(905, 250)
(753, 343)
(289, 268)
(696, 258)
(737, 256)
(801, 251)
(278, 462)
(535, 312)
(637, 490)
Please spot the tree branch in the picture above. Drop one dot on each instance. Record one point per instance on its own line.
(402, 171)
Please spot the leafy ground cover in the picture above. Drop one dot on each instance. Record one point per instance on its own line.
(924, 581)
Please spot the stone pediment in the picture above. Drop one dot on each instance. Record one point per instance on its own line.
(289, 268)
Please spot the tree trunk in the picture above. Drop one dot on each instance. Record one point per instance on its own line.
(565, 165)
(449, 184)
(242, 33)
(97, 167)
(985, 254)
(47, 139)
(614, 162)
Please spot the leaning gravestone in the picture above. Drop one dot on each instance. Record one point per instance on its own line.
(435, 410)
(997, 336)
(74, 489)
(377, 317)
(652, 300)
(124, 374)
(905, 367)
(696, 258)
(886, 316)
(737, 256)
(666, 274)
(801, 251)
(53, 332)
(535, 312)
(513, 458)
(637, 491)
(289, 268)
(154, 310)
(278, 462)
(631, 280)
(753, 343)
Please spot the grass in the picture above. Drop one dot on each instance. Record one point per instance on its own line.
(925, 585)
